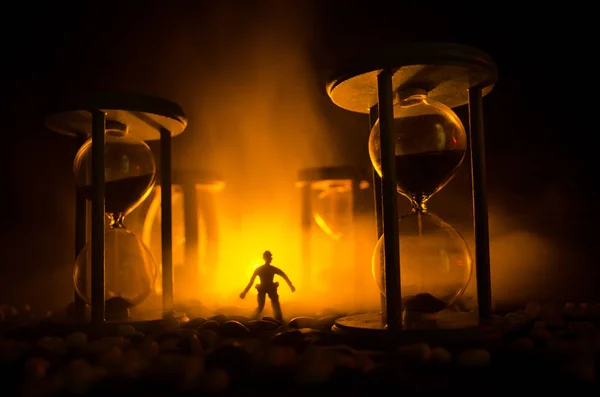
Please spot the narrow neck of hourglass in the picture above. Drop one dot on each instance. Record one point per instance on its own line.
(116, 220)
(419, 204)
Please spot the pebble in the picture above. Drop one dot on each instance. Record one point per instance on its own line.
(77, 340)
(262, 325)
(234, 329)
(216, 380)
(523, 346)
(36, 367)
(293, 338)
(417, 353)
(170, 324)
(210, 325)
(315, 365)
(126, 330)
(474, 358)
(439, 355)
(208, 338)
(195, 323)
(304, 322)
(279, 356)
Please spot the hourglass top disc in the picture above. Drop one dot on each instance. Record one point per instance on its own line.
(145, 115)
(445, 71)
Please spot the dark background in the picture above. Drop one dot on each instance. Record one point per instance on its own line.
(540, 127)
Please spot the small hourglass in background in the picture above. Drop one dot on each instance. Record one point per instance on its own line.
(130, 268)
(430, 144)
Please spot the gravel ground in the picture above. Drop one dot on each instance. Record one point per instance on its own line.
(543, 349)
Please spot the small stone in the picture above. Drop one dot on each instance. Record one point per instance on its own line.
(208, 339)
(150, 348)
(216, 380)
(592, 311)
(111, 357)
(532, 309)
(474, 358)
(77, 340)
(523, 346)
(232, 358)
(304, 322)
(195, 323)
(262, 325)
(136, 338)
(573, 310)
(126, 330)
(53, 344)
(191, 345)
(279, 356)
(170, 324)
(170, 345)
(192, 373)
(210, 325)
(233, 329)
(77, 376)
(439, 355)
(418, 353)
(293, 338)
(581, 370)
(315, 366)
(327, 322)
(539, 331)
(219, 318)
(36, 367)
(271, 319)
(582, 328)
(132, 364)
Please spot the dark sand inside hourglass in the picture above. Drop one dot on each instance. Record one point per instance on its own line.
(424, 173)
(121, 194)
(117, 309)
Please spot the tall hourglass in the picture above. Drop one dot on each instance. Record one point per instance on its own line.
(430, 144)
(130, 268)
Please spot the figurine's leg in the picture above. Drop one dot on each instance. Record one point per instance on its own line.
(276, 306)
(261, 304)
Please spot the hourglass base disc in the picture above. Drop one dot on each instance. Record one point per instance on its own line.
(448, 328)
(144, 115)
(445, 71)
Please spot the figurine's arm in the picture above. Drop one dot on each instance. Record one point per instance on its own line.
(280, 273)
(245, 291)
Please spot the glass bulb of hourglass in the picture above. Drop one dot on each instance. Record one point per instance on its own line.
(130, 268)
(434, 261)
(430, 143)
(332, 207)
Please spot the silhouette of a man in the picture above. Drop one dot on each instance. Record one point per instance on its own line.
(266, 273)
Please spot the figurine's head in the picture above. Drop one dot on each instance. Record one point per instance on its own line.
(268, 257)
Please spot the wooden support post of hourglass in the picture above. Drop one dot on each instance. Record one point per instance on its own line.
(166, 221)
(306, 221)
(190, 222)
(480, 211)
(373, 114)
(391, 245)
(98, 149)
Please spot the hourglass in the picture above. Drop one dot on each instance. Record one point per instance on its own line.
(333, 199)
(430, 144)
(115, 170)
(416, 144)
(195, 230)
(130, 269)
